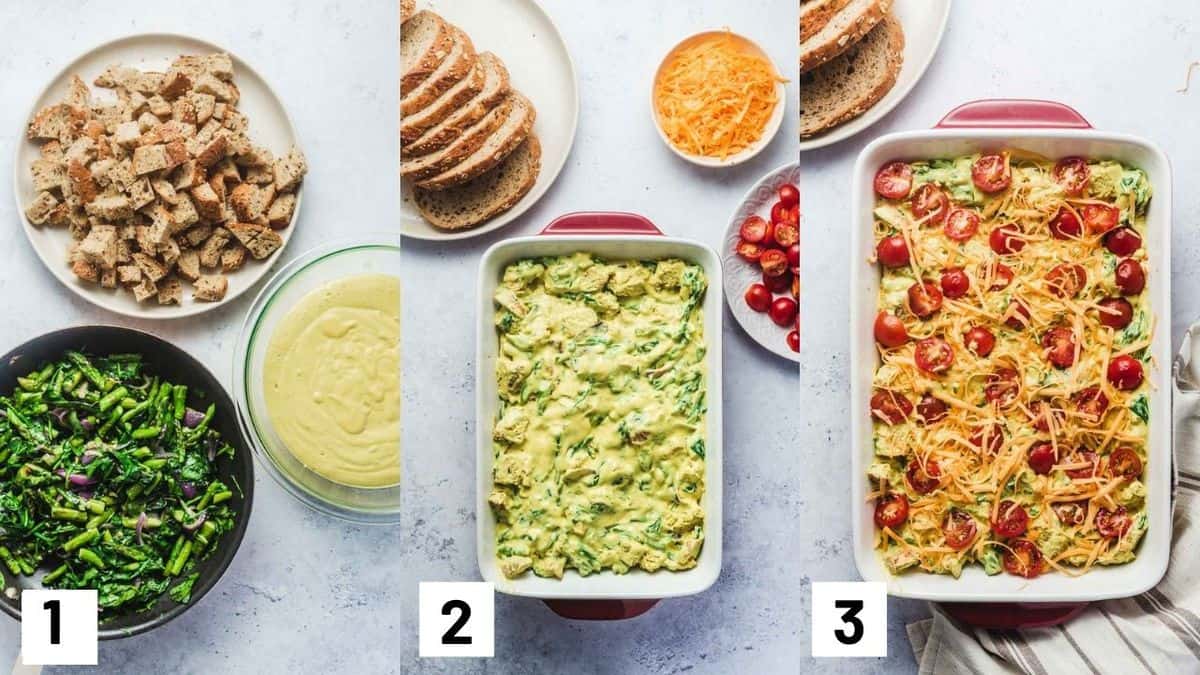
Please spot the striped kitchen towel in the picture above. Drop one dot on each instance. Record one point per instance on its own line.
(1155, 632)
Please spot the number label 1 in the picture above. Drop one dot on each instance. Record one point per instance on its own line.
(58, 627)
(849, 619)
(54, 607)
(457, 619)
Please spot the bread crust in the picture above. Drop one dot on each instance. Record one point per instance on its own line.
(814, 55)
(439, 136)
(413, 126)
(413, 100)
(426, 166)
(471, 167)
(502, 202)
(407, 8)
(422, 65)
(855, 107)
(815, 15)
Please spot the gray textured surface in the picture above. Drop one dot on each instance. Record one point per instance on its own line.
(305, 593)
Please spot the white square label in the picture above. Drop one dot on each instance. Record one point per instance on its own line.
(58, 627)
(457, 619)
(849, 619)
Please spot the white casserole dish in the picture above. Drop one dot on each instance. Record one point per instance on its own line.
(604, 235)
(1054, 131)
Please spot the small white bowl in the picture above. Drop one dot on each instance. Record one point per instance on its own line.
(769, 132)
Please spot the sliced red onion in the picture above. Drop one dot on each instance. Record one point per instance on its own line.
(86, 495)
(61, 473)
(141, 521)
(189, 489)
(60, 414)
(195, 524)
(87, 424)
(80, 480)
(88, 457)
(212, 449)
(192, 418)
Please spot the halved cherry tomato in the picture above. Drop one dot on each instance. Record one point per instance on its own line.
(789, 195)
(780, 213)
(988, 438)
(960, 529)
(991, 173)
(1091, 459)
(748, 250)
(923, 479)
(773, 262)
(1113, 524)
(793, 341)
(753, 230)
(758, 298)
(1058, 345)
(1002, 387)
(961, 224)
(890, 407)
(1115, 312)
(1065, 280)
(955, 282)
(891, 510)
(1125, 372)
(787, 235)
(1042, 457)
(894, 180)
(1122, 241)
(889, 330)
(769, 236)
(1100, 218)
(1018, 315)
(1072, 174)
(1071, 513)
(1130, 277)
(778, 283)
(1042, 412)
(930, 201)
(793, 257)
(1091, 403)
(1010, 520)
(1001, 275)
(1124, 462)
(931, 409)
(980, 341)
(934, 355)
(924, 298)
(783, 311)
(1006, 239)
(1023, 558)
(1065, 225)
(892, 251)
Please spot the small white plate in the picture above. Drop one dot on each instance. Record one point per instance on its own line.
(739, 274)
(270, 126)
(769, 132)
(924, 23)
(539, 66)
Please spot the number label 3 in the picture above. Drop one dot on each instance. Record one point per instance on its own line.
(849, 619)
(456, 619)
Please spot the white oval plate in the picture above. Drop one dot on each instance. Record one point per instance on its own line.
(924, 23)
(270, 126)
(739, 274)
(539, 65)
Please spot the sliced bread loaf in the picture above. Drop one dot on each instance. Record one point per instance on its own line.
(500, 144)
(426, 166)
(815, 14)
(495, 90)
(407, 8)
(414, 125)
(458, 64)
(841, 32)
(849, 85)
(425, 42)
(487, 196)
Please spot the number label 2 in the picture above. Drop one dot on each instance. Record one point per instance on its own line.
(451, 636)
(457, 619)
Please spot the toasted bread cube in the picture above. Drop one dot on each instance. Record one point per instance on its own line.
(129, 274)
(144, 289)
(150, 158)
(260, 240)
(140, 193)
(170, 292)
(220, 65)
(83, 150)
(176, 154)
(58, 122)
(210, 288)
(187, 175)
(188, 265)
(85, 270)
(219, 110)
(165, 190)
(128, 134)
(249, 201)
(290, 170)
(174, 84)
(151, 268)
(52, 150)
(184, 111)
(232, 258)
(208, 203)
(99, 247)
(212, 152)
(108, 278)
(184, 214)
(260, 175)
(136, 103)
(279, 215)
(227, 170)
(82, 184)
(198, 234)
(204, 105)
(256, 156)
(49, 175)
(147, 121)
(159, 106)
(110, 207)
(210, 253)
(39, 211)
(208, 83)
(100, 171)
(169, 252)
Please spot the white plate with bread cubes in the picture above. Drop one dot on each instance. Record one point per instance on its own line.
(159, 176)
(859, 59)
(489, 105)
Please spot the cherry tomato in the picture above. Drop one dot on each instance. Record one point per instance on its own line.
(889, 330)
(923, 479)
(789, 195)
(931, 409)
(924, 298)
(1100, 218)
(891, 510)
(988, 438)
(779, 213)
(1115, 312)
(934, 355)
(961, 224)
(1072, 174)
(1091, 403)
(1002, 387)
(1058, 345)
(758, 298)
(979, 341)
(1042, 412)
(1010, 520)
(890, 407)
(787, 235)
(960, 529)
(1023, 558)
(930, 201)
(1042, 457)
(793, 341)
(1092, 461)
(750, 251)
(1124, 462)
(892, 251)
(1130, 277)
(1122, 241)
(894, 180)
(793, 256)
(1066, 279)
(991, 173)
(777, 284)
(1071, 513)
(1001, 274)
(1018, 316)
(1065, 225)
(769, 236)
(783, 311)
(1113, 524)
(1125, 372)
(1006, 239)
(955, 282)
(773, 262)
(753, 230)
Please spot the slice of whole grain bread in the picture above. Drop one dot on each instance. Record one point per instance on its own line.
(848, 86)
(487, 196)
(841, 31)
(425, 42)
(510, 134)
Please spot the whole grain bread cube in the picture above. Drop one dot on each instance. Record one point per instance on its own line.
(208, 83)
(213, 152)
(58, 122)
(147, 121)
(159, 106)
(128, 134)
(85, 270)
(39, 211)
(113, 76)
(144, 237)
(168, 132)
(165, 191)
(256, 156)
(169, 253)
(260, 240)
(220, 65)
(176, 154)
(151, 268)
(198, 234)
(170, 292)
(124, 251)
(100, 171)
(99, 247)
(78, 94)
(136, 102)
(279, 215)
(48, 175)
(52, 150)
(210, 253)
(232, 258)
(82, 184)
(227, 170)
(121, 175)
(144, 289)
(249, 201)
(150, 158)
(129, 274)
(210, 288)
(187, 175)
(110, 207)
(208, 203)
(83, 150)
(109, 117)
(108, 278)
(219, 110)
(204, 105)
(260, 175)
(188, 265)
(290, 170)
(175, 83)
(78, 225)
(140, 193)
(183, 110)
(184, 214)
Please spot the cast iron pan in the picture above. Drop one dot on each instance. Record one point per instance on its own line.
(172, 363)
